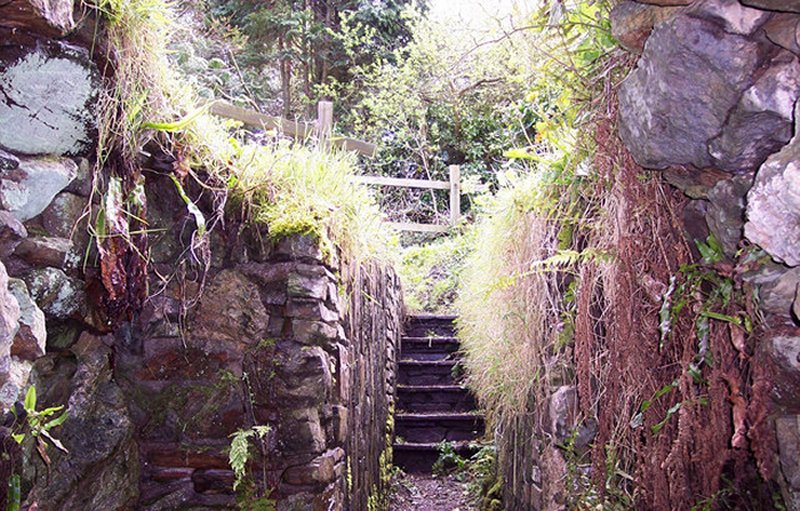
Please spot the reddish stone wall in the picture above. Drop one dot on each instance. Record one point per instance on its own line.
(268, 343)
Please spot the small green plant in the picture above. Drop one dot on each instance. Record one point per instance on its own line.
(35, 424)
(38, 424)
(240, 451)
(449, 460)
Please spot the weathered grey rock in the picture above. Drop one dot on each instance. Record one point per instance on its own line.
(12, 232)
(303, 374)
(777, 289)
(63, 214)
(784, 30)
(101, 471)
(787, 431)
(762, 121)
(298, 248)
(15, 382)
(780, 353)
(632, 22)
(29, 343)
(796, 302)
(773, 206)
(725, 215)
(8, 161)
(691, 75)
(732, 15)
(58, 295)
(774, 5)
(82, 184)
(44, 17)
(50, 93)
(47, 251)
(28, 190)
(562, 411)
(666, 2)
(9, 325)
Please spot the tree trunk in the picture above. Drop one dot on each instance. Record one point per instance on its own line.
(286, 77)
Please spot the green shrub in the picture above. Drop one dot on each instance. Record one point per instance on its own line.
(431, 272)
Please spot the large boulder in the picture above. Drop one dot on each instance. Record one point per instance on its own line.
(784, 30)
(773, 206)
(28, 190)
(46, 17)
(775, 5)
(50, 93)
(694, 98)
(761, 123)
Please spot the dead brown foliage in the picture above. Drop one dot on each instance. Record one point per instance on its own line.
(690, 446)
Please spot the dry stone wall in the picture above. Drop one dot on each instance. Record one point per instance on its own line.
(267, 334)
(712, 105)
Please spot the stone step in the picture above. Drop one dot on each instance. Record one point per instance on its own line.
(420, 457)
(423, 325)
(428, 348)
(438, 427)
(434, 398)
(427, 372)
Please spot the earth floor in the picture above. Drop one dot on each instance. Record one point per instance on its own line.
(424, 492)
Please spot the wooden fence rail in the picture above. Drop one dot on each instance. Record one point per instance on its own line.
(322, 130)
(453, 186)
(299, 130)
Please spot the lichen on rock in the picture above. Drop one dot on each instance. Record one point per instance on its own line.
(48, 94)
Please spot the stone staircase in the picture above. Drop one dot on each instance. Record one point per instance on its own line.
(431, 404)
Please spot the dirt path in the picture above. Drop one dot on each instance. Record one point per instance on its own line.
(423, 492)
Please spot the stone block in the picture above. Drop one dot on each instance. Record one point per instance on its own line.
(48, 251)
(301, 432)
(303, 375)
(29, 343)
(230, 310)
(299, 247)
(310, 309)
(314, 332)
(58, 295)
(27, 190)
(321, 470)
(12, 232)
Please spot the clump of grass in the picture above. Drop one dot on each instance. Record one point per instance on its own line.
(508, 324)
(300, 190)
(291, 188)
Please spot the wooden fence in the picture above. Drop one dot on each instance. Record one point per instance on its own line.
(322, 130)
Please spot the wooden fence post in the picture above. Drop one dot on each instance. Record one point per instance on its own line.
(324, 123)
(455, 194)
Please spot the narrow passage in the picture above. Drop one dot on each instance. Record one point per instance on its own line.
(432, 407)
